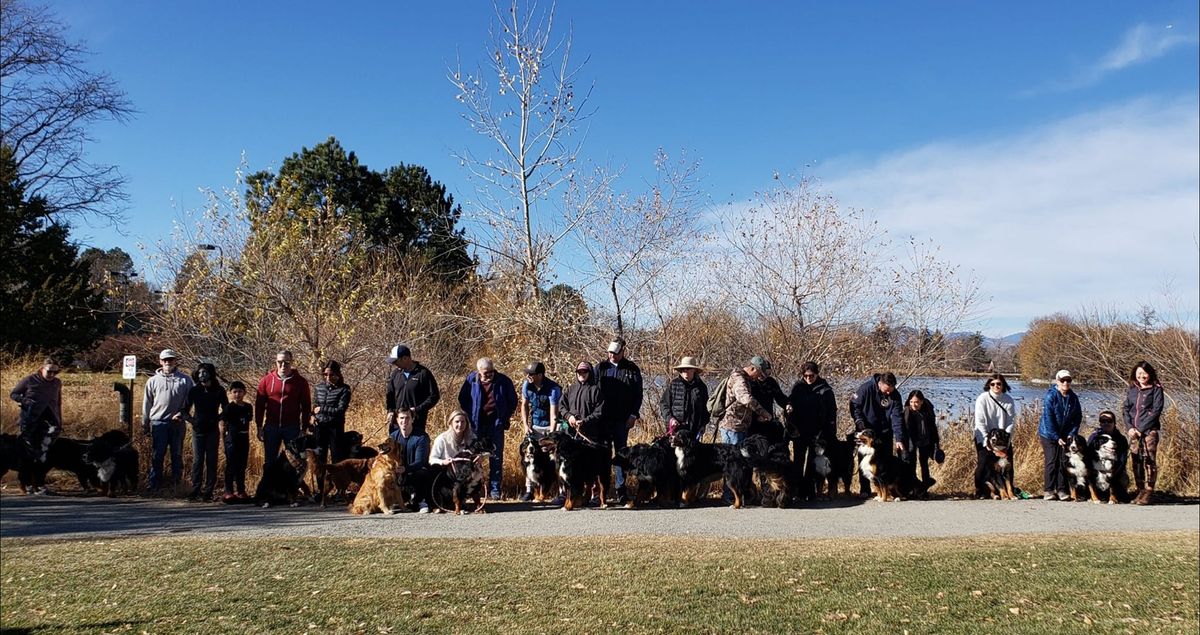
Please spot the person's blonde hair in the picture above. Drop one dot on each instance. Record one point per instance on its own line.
(450, 423)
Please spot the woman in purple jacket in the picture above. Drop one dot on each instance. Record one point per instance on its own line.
(1142, 410)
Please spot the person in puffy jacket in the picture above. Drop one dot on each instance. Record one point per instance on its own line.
(920, 425)
(811, 410)
(684, 402)
(282, 406)
(331, 399)
(1061, 416)
(1142, 411)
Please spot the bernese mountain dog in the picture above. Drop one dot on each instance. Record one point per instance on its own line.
(1110, 451)
(581, 465)
(540, 472)
(1081, 468)
(282, 481)
(463, 479)
(116, 462)
(652, 466)
(701, 464)
(889, 477)
(772, 464)
(998, 468)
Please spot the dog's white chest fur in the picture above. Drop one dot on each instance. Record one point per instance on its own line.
(1077, 467)
(864, 465)
(679, 459)
(1002, 463)
(106, 470)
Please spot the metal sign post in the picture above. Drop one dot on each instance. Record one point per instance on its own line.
(128, 371)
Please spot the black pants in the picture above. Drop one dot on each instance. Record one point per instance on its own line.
(204, 460)
(38, 433)
(237, 453)
(1054, 458)
(922, 454)
(420, 480)
(327, 439)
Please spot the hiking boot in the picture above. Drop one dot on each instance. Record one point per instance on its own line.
(1144, 497)
(526, 497)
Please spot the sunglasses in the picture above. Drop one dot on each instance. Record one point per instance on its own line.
(52, 372)
(810, 375)
(1065, 380)
(996, 383)
(283, 361)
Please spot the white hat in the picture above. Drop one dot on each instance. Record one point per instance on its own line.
(615, 346)
(1062, 374)
(168, 354)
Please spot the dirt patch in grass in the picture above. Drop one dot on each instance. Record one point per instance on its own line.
(1095, 583)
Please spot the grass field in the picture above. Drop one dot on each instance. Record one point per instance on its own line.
(1097, 584)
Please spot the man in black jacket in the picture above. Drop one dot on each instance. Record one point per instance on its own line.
(621, 382)
(412, 386)
(877, 405)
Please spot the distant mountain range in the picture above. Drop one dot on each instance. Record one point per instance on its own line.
(1007, 340)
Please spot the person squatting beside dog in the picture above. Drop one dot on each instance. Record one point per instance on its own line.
(163, 405)
(1142, 411)
(40, 421)
(489, 399)
(1061, 417)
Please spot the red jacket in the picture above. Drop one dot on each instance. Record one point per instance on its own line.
(284, 401)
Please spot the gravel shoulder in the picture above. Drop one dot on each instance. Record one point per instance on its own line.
(62, 517)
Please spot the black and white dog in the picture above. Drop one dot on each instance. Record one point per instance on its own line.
(1108, 463)
(116, 462)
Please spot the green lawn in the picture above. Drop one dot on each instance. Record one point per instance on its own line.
(1097, 584)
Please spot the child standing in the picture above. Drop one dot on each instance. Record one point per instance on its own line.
(235, 430)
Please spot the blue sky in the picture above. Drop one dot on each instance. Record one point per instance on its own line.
(1052, 148)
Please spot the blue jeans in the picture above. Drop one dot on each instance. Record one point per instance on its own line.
(273, 439)
(496, 463)
(618, 433)
(204, 461)
(164, 435)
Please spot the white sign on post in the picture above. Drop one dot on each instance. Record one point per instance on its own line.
(129, 367)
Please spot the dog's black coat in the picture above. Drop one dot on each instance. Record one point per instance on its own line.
(891, 476)
(581, 465)
(778, 476)
(1081, 468)
(998, 469)
(700, 464)
(653, 467)
(539, 467)
(66, 455)
(464, 478)
(283, 480)
(12, 454)
(350, 445)
(1111, 478)
(116, 462)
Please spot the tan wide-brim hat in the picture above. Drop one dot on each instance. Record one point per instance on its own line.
(688, 362)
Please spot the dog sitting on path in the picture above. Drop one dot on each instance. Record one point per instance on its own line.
(382, 490)
(998, 467)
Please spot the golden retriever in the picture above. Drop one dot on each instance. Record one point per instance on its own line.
(381, 492)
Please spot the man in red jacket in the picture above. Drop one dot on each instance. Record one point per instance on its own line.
(284, 400)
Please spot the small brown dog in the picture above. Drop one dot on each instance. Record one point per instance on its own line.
(381, 491)
(337, 477)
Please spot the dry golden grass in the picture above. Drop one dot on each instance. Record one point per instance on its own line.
(90, 407)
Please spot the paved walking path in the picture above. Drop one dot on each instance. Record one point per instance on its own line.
(92, 517)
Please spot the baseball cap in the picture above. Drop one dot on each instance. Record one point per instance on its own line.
(397, 352)
(535, 368)
(584, 366)
(168, 354)
(1062, 374)
(759, 362)
(615, 346)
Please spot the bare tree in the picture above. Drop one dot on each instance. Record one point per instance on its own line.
(639, 238)
(48, 101)
(531, 110)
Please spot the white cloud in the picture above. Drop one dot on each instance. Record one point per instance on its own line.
(1100, 208)
(1143, 43)
(1140, 44)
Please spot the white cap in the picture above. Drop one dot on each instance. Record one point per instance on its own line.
(1062, 374)
(614, 347)
(168, 353)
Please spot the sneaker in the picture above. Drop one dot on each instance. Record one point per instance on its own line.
(559, 501)
(229, 498)
(423, 509)
(526, 497)
(1064, 495)
(40, 491)
(1049, 496)
(494, 495)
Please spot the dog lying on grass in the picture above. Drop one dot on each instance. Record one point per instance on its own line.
(382, 490)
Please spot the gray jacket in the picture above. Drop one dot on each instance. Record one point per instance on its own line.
(165, 395)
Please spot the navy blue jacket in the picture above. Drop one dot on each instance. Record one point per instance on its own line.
(870, 408)
(416, 449)
(1061, 415)
(470, 397)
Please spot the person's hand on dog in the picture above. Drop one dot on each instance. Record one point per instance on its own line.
(1062, 442)
(900, 448)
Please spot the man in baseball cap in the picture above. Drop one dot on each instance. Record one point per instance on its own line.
(163, 404)
(412, 386)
